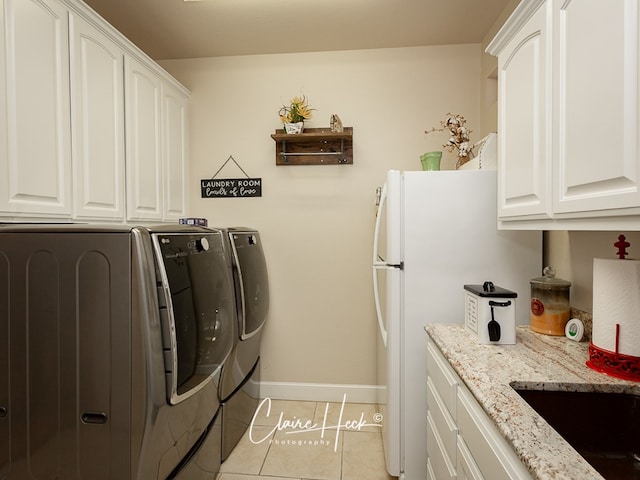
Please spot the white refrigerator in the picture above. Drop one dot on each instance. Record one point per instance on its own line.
(435, 232)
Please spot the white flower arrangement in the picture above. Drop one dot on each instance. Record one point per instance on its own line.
(459, 139)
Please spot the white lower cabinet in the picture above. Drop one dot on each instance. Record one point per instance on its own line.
(441, 463)
(493, 456)
(462, 441)
(465, 465)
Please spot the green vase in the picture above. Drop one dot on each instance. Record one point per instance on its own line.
(431, 160)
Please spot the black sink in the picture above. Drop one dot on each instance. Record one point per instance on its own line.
(603, 427)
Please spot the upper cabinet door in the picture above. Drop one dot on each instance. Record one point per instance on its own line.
(143, 147)
(174, 114)
(596, 107)
(523, 120)
(97, 83)
(35, 158)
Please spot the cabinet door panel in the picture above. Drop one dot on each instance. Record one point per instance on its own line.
(596, 109)
(443, 379)
(466, 466)
(174, 112)
(442, 421)
(441, 464)
(35, 156)
(144, 148)
(523, 122)
(491, 453)
(98, 123)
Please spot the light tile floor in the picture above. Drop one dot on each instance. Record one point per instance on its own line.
(283, 443)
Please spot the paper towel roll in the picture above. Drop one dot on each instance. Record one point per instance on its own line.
(616, 300)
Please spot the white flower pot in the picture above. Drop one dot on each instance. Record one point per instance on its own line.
(294, 127)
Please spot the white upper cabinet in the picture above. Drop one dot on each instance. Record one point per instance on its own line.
(175, 153)
(568, 111)
(97, 84)
(35, 136)
(157, 159)
(596, 105)
(91, 128)
(144, 152)
(523, 113)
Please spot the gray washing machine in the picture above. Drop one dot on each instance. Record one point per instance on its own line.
(240, 380)
(112, 341)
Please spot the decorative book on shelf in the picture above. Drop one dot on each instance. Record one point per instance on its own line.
(315, 146)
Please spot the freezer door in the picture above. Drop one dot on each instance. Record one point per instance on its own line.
(387, 248)
(380, 230)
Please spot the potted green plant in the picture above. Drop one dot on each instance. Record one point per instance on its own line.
(294, 114)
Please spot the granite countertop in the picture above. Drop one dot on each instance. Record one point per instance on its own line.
(535, 362)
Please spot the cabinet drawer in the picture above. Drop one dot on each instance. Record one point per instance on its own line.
(465, 464)
(493, 455)
(442, 467)
(444, 424)
(443, 377)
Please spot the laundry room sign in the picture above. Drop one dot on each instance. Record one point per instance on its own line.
(230, 187)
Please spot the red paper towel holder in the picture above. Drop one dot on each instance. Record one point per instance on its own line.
(615, 363)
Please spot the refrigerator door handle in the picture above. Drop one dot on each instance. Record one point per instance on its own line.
(381, 201)
(382, 264)
(376, 296)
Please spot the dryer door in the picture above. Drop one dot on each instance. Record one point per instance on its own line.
(252, 283)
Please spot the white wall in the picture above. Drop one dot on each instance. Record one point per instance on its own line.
(571, 254)
(489, 75)
(317, 221)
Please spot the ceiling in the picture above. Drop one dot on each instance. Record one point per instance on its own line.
(172, 29)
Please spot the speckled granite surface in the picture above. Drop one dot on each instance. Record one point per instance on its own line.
(535, 362)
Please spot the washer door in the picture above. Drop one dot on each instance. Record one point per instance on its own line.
(196, 309)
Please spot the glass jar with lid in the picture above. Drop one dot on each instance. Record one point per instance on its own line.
(550, 308)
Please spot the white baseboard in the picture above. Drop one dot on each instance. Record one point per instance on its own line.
(319, 392)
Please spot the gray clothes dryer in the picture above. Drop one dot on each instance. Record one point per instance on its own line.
(240, 380)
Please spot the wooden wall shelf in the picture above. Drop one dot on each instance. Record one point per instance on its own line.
(315, 146)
